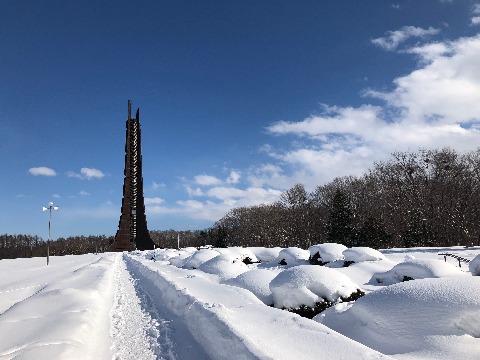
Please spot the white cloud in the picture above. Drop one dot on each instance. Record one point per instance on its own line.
(153, 201)
(56, 196)
(219, 201)
(207, 180)
(42, 171)
(430, 52)
(269, 174)
(437, 105)
(233, 178)
(476, 10)
(229, 198)
(446, 88)
(156, 186)
(191, 209)
(208, 210)
(87, 174)
(395, 38)
(194, 191)
(84, 193)
(336, 120)
(223, 193)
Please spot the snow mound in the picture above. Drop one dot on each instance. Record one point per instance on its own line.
(167, 254)
(292, 256)
(181, 257)
(428, 317)
(474, 266)
(417, 269)
(265, 254)
(225, 266)
(307, 285)
(359, 254)
(327, 252)
(257, 281)
(240, 253)
(199, 257)
(149, 254)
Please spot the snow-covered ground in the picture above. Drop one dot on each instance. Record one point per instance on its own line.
(209, 304)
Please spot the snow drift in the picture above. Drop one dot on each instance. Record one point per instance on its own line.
(429, 318)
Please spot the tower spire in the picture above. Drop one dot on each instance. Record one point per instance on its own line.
(132, 228)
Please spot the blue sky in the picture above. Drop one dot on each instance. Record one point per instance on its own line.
(239, 100)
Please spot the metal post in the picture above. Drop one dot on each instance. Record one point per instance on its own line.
(48, 242)
(49, 208)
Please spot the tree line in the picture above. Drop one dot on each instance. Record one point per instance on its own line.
(25, 246)
(422, 198)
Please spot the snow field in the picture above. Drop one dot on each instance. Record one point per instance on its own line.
(128, 306)
(59, 311)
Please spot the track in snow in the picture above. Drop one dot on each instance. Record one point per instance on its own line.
(141, 327)
(133, 330)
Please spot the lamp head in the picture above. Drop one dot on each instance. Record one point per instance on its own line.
(50, 203)
(44, 208)
(55, 208)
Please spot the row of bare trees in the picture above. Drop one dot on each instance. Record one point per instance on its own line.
(423, 198)
(172, 239)
(24, 246)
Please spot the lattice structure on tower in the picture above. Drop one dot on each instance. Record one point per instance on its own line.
(132, 228)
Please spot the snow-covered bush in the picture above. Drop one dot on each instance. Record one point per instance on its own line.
(243, 254)
(474, 266)
(324, 253)
(225, 266)
(413, 316)
(257, 281)
(148, 254)
(308, 290)
(166, 254)
(416, 269)
(180, 259)
(265, 254)
(199, 257)
(361, 253)
(292, 256)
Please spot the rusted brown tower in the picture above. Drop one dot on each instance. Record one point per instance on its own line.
(132, 228)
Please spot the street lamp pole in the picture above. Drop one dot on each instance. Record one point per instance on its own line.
(49, 208)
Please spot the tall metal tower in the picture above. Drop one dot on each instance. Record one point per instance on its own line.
(132, 230)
